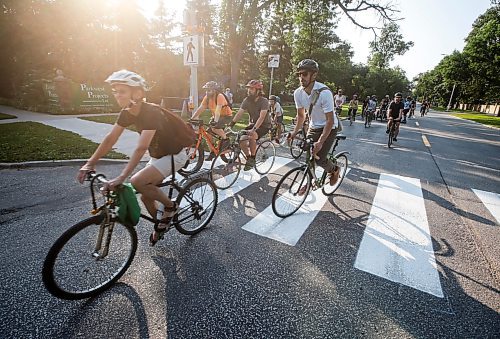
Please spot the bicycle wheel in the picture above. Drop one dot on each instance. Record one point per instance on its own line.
(79, 266)
(264, 157)
(225, 168)
(297, 145)
(197, 203)
(391, 136)
(194, 162)
(292, 191)
(343, 163)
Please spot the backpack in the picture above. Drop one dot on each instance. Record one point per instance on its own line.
(185, 134)
(229, 104)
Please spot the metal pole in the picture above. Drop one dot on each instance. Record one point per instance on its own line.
(449, 103)
(271, 84)
(194, 86)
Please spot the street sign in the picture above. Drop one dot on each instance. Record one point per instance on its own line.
(191, 51)
(273, 61)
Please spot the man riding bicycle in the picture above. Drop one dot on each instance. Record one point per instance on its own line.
(260, 122)
(158, 135)
(221, 112)
(276, 115)
(394, 114)
(322, 121)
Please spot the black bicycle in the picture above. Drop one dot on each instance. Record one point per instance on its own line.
(392, 133)
(294, 187)
(93, 254)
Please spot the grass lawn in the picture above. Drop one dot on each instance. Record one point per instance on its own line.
(32, 141)
(482, 118)
(7, 116)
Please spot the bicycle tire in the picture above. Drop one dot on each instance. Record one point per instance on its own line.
(225, 168)
(391, 136)
(343, 162)
(197, 204)
(297, 145)
(194, 162)
(264, 157)
(84, 250)
(283, 202)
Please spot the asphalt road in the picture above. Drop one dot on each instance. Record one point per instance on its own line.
(230, 283)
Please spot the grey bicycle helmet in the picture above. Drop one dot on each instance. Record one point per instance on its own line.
(211, 85)
(308, 65)
(128, 78)
(398, 94)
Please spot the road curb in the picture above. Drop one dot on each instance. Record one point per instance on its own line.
(475, 122)
(58, 163)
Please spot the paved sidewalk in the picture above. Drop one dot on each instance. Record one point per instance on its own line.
(90, 130)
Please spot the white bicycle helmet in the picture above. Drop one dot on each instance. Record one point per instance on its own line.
(128, 78)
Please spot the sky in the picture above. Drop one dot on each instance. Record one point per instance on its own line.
(437, 28)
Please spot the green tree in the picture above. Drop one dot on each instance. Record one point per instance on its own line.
(387, 46)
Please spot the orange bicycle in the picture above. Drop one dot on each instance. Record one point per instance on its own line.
(197, 151)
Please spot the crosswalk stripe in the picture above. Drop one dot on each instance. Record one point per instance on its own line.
(288, 230)
(246, 178)
(397, 244)
(491, 201)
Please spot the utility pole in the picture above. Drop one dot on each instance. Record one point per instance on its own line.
(451, 97)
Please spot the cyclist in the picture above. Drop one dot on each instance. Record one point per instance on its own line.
(322, 121)
(423, 107)
(365, 106)
(260, 123)
(221, 113)
(406, 109)
(394, 114)
(339, 100)
(353, 108)
(160, 136)
(372, 105)
(384, 104)
(413, 104)
(277, 115)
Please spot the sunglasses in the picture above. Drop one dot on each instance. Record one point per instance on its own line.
(121, 91)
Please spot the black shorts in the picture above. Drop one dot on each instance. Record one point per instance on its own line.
(279, 119)
(261, 131)
(406, 110)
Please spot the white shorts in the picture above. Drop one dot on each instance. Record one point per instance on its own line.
(164, 164)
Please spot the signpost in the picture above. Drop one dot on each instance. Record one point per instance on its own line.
(273, 61)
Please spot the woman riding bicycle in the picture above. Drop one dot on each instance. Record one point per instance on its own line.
(221, 112)
(161, 135)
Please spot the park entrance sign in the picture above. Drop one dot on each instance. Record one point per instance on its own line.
(69, 96)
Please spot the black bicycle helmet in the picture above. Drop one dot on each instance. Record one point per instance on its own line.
(308, 65)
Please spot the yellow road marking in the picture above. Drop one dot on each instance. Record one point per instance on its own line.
(426, 142)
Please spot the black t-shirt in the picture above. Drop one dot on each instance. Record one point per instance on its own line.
(151, 117)
(395, 108)
(254, 107)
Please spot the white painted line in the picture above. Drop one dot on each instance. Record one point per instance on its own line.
(491, 201)
(289, 230)
(246, 178)
(397, 244)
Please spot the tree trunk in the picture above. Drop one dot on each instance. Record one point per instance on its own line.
(235, 58)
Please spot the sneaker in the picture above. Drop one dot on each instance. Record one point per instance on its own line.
(224, 143)
(249, 164)
(210, 157)
(387, 131)
(395, 139)
(334, 175)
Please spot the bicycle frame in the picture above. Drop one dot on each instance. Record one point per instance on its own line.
(311, 162)
(203, 134)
